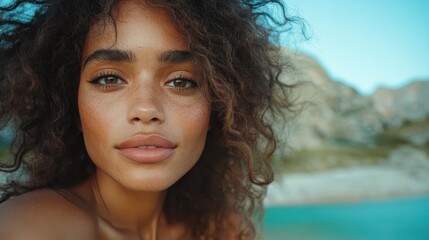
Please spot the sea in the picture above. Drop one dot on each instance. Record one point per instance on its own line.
(393, 219)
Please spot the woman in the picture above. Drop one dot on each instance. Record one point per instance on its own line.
(138, 119)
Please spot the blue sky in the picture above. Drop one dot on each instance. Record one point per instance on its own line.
(367, 43)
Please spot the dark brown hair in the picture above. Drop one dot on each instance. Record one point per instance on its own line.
(233, 43)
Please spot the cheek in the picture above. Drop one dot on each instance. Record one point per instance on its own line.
(87, 111)
(195, 121)
(197, 117)
(88, 121)
(95, 119)
(94, 109)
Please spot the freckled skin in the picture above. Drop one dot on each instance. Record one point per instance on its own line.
(144, 104)
(140, 99)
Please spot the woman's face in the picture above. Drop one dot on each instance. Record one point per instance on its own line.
(144, 117)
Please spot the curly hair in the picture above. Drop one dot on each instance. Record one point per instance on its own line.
(234, 44)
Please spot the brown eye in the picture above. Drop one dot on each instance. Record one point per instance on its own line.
(181, 83)
(111, 80)
(108, 80)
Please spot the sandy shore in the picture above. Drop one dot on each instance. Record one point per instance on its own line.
(350, 184)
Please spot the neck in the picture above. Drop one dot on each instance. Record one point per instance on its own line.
(125, 210)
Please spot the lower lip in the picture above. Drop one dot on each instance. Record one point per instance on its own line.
(146, 155)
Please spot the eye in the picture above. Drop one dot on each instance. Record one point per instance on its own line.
(182, 82)
(108, 80)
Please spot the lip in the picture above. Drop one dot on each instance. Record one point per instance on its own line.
(143, 148)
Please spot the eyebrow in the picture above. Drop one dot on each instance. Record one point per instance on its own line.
(116, 55)
(110, 55)
(174, 56)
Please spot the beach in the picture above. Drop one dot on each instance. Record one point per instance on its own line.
(349, 184)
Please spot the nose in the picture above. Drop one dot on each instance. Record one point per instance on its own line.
(146, 106)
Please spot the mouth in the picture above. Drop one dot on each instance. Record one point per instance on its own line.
(143, 148)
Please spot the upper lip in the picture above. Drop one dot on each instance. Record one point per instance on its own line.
(141, 140)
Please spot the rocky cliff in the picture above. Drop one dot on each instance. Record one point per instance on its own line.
(335, 115)
(405, 113)
(400, 106)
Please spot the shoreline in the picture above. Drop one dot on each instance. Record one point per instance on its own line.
(348, 185)
(346, 201)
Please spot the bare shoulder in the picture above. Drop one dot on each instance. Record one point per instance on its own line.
(44, 214)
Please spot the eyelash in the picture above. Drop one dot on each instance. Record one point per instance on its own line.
(186, 79)
(106, 86)
(96, 80)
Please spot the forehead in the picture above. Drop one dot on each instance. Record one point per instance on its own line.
(135, 26)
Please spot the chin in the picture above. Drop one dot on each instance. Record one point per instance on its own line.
(153, 184)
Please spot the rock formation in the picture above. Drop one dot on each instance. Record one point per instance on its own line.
(407, 104)
(335, 115)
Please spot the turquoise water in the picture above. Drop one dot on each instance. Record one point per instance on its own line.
(401, 219)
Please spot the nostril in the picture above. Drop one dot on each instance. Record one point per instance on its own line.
(155, 119)
(138, 119)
